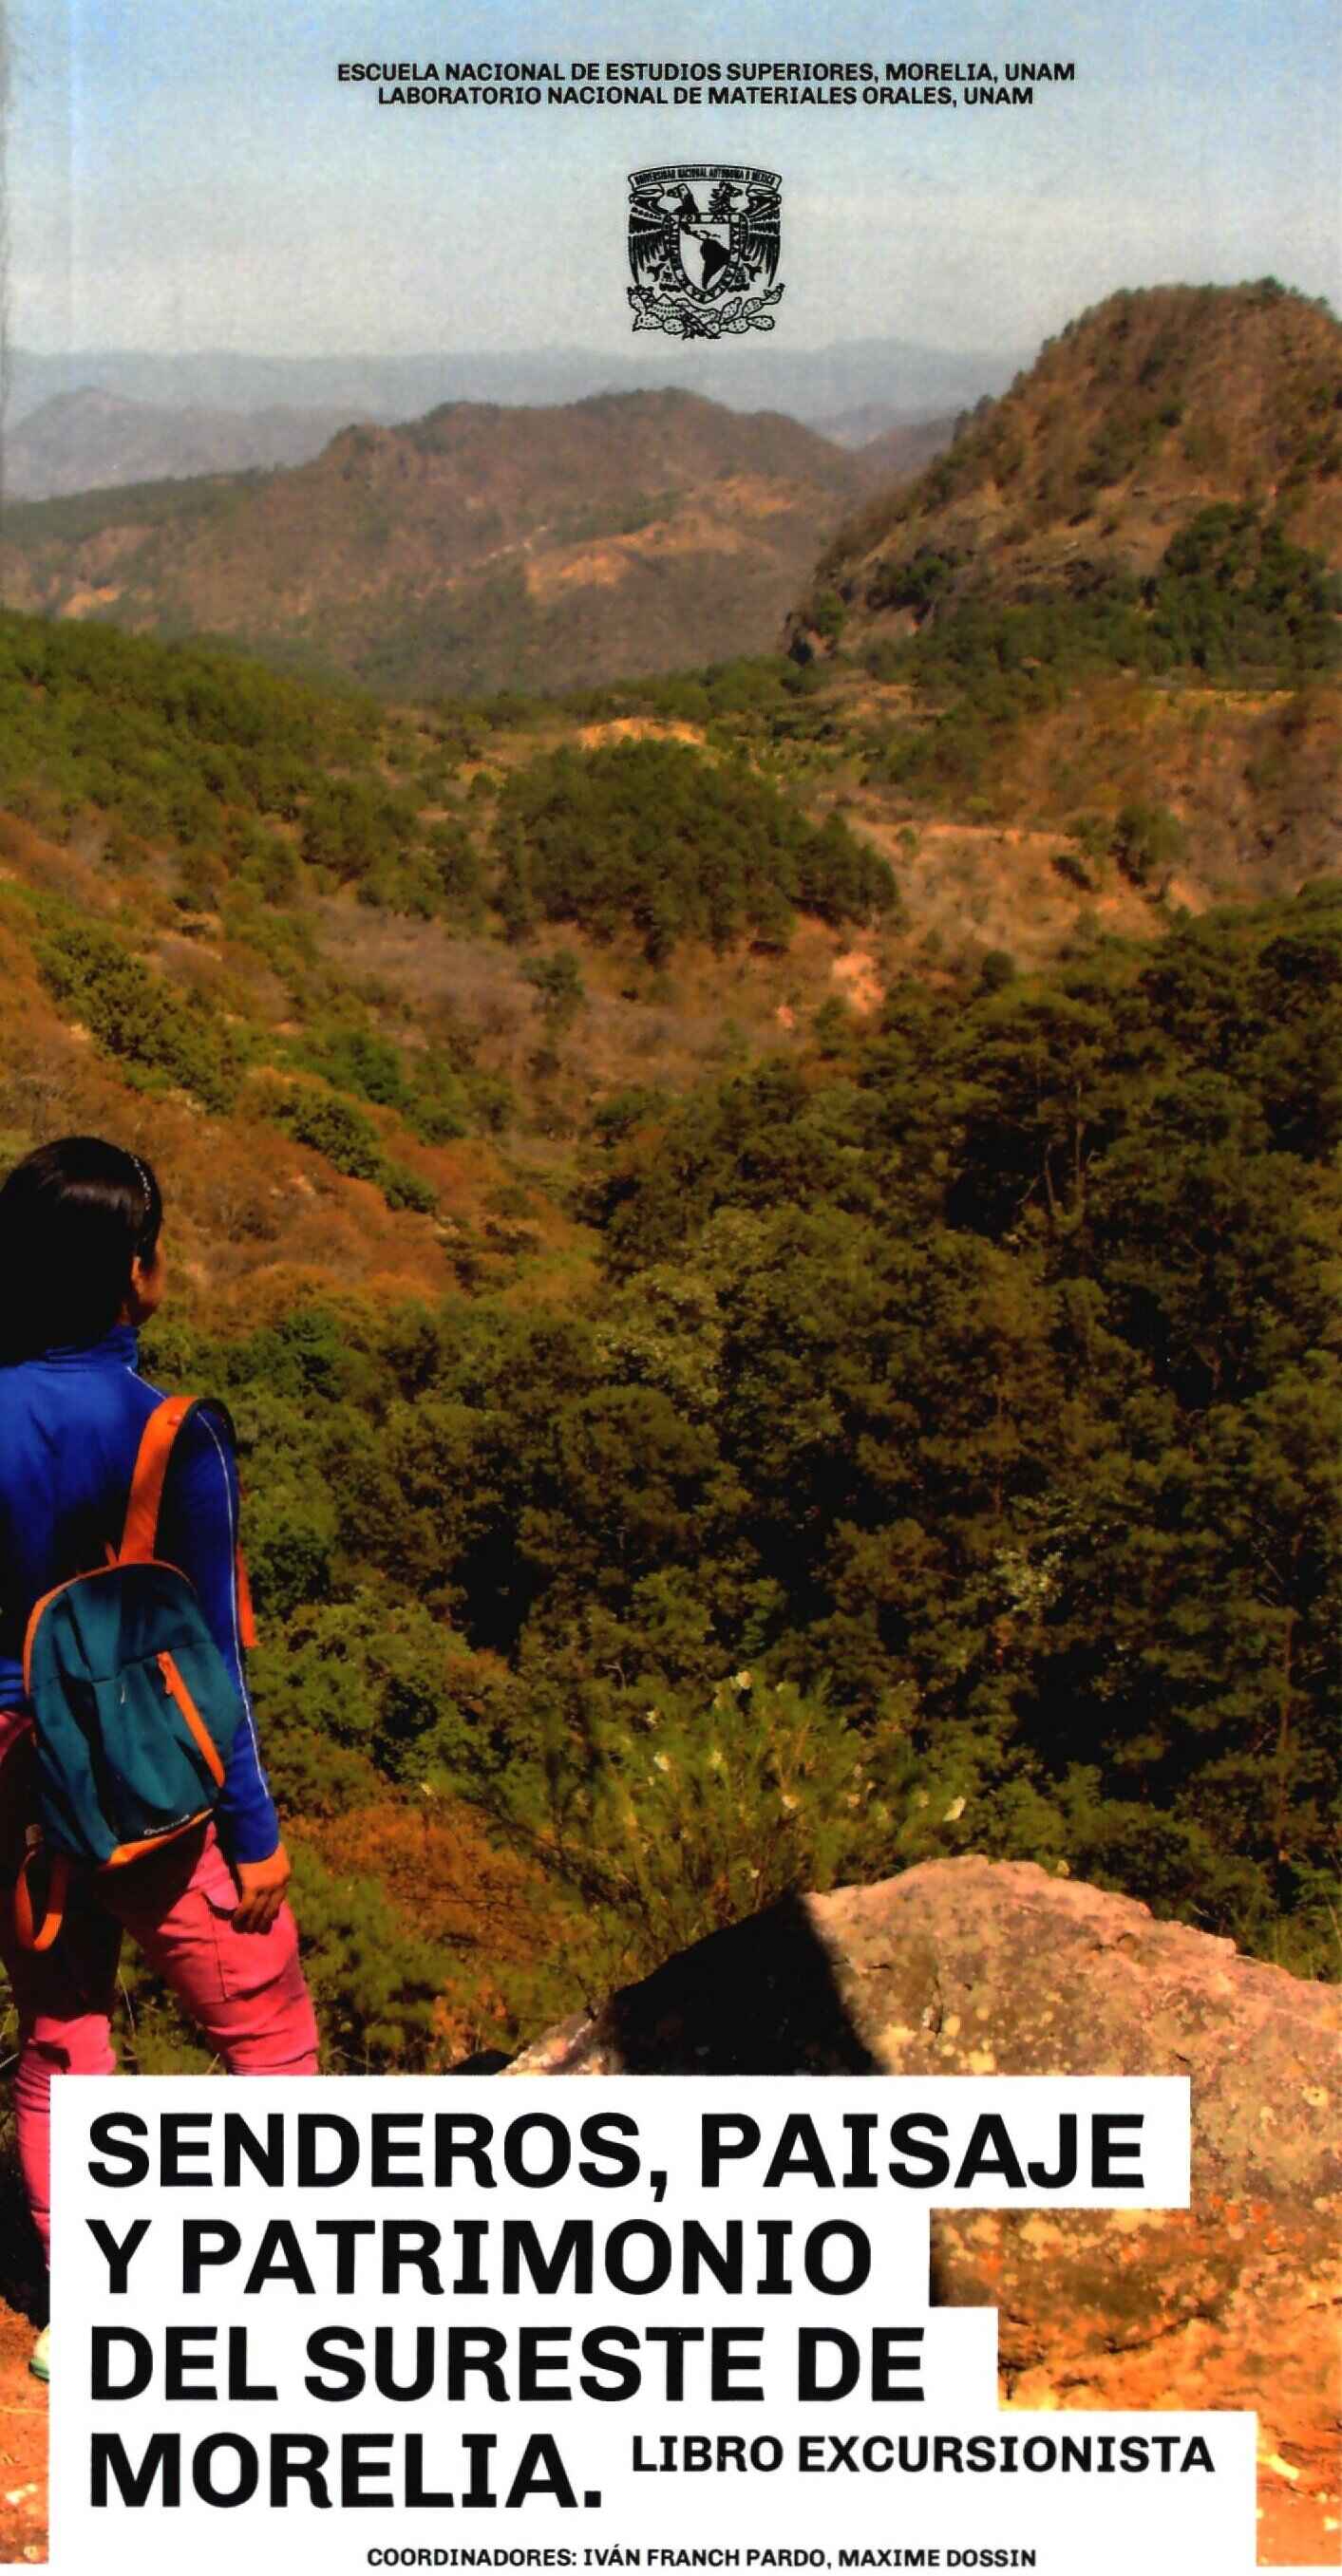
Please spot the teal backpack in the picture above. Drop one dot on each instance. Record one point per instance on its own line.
(134, 1708)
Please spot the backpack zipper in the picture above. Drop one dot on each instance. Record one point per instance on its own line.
(177, 1690)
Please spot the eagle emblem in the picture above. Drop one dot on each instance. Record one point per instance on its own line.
(702, 236)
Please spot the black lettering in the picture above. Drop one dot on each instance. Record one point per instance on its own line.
(462, 2134)
(311, 2128)
(480, 2349)
(299, 2456)
(280, 2257)
(602, 2136)
(179, 2360)
(990, 2132)
(178, 2148)
(885, 2361)
(103, 2134)
(540, 2471)
(411, 2243)
(1065, 2169)
(324, 2348)
(355, 2468)
(222, 2447)
(553, 2133)
(1107, 2149)
(907, 2139)
(207, 2242)
(603, 2352)
(812, 2342)
(162, 2458)
(102, 2386)
(118, 2257)
(724, 2138)
(346, 2232)
(388, 2149)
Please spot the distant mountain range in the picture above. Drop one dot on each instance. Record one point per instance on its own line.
(900, 379)
(477, 549)
(889, 459)
(538, 547)
(90, 439)
(869, 421)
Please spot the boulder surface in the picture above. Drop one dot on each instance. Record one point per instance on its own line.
(968, 1967)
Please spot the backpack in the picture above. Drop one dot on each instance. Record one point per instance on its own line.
(134, 1708)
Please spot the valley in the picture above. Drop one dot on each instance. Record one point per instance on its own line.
(759, 1175)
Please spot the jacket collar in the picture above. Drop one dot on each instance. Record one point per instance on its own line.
(118, 1349)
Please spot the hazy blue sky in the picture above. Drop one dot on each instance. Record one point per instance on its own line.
(187, 174)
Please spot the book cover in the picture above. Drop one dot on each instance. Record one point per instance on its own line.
(670, 752)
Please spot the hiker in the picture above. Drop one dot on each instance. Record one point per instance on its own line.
(81, 1268)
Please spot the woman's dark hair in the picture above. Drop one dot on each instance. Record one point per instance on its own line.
(73, 1218)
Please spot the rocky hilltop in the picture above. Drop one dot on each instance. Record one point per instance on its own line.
(1151, 407)
(977, 1967)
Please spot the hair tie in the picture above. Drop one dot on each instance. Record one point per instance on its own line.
(144, 1183)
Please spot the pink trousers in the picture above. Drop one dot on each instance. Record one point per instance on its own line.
(245, 1990)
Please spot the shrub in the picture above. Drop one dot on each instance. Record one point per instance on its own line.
(651, 836)
(335, 1128)
(679, 1819)
(1148, 842)
(331, 1126)
(157, 1035)
(376, 1985)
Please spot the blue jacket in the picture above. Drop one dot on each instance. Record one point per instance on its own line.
(70, 1426)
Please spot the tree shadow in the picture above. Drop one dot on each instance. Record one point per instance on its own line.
(760, 1998)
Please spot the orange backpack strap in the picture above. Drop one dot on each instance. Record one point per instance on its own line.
(31, 1935)
(139, 1538)
(246, 1617)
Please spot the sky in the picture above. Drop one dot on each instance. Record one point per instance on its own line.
(190, 174)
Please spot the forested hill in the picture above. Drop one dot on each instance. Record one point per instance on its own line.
(771, 1232)
(721, 1433)
(942, 1455)
(1143, 415)
(479, 548)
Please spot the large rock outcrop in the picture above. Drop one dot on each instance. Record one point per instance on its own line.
(977, 1967)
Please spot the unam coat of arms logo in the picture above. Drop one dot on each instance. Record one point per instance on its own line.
(702, 235)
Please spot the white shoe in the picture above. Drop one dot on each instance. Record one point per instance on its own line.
(39, 2359)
